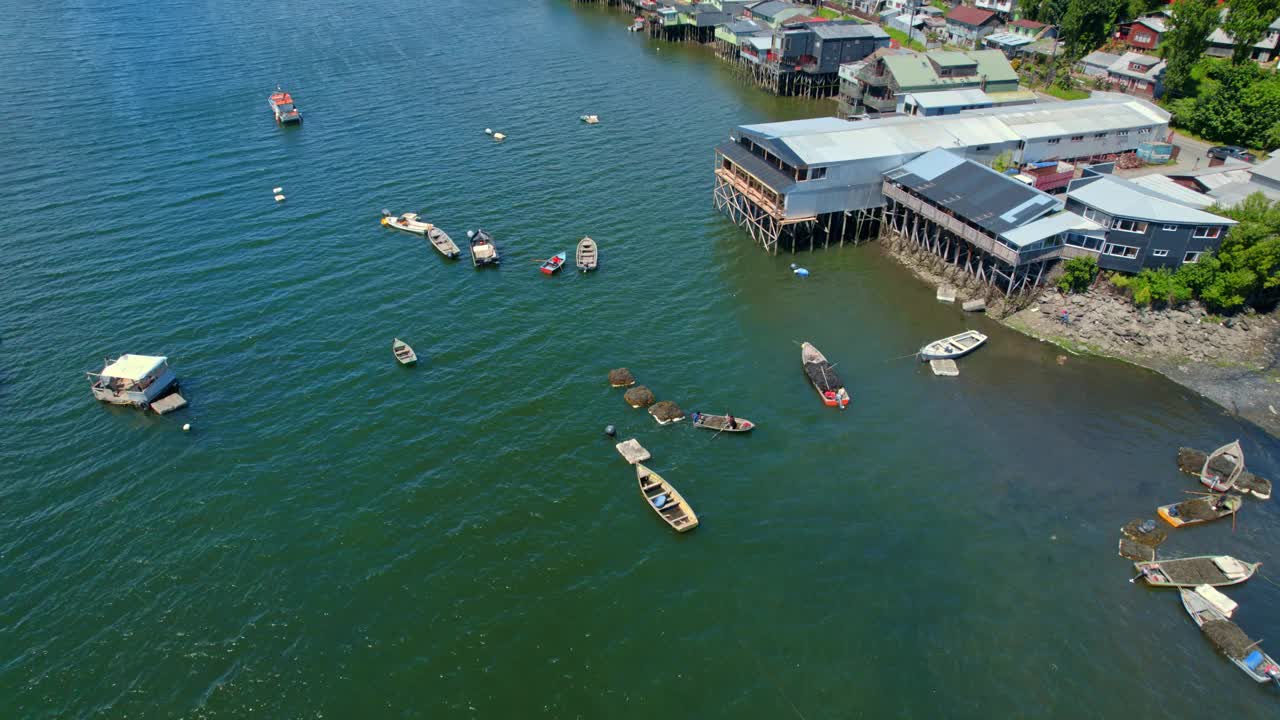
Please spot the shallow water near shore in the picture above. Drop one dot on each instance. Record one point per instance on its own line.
(338, 536)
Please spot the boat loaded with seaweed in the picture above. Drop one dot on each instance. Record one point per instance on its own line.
(1195, 462)
(721, 423)
(1210, 610)
(1212, 570)
(823, 376)
(1199, 510)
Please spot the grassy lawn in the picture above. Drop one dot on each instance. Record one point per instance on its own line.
(1061, 94)
(829, 14)
(903, 40)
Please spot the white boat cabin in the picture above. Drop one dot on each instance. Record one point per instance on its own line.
(132, 380)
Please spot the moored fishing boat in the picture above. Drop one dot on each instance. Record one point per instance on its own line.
(283, 108)
(1192, 462)
(588, 256)
(950, 348)
(721, 423)
(823, 376)
(1222, 467)
(404, 354)
(1210, 610)
(553, 263)
(484, 251)
(412, 223)
(135, 380)
(1199, 510)
(1212, 570)
(665, 501)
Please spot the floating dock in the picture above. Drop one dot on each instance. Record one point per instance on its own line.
(946, 294)
(168, 404)
(632, 451)
(945, 368)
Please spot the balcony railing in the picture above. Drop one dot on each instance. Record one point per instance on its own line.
(959, 228)
(741, 185)
(873, 78)
(884, 105)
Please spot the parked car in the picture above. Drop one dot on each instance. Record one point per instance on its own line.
(1231, 152)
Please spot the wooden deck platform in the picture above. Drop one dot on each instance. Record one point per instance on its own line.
(944, 367)
(169, 403)
(632, 451)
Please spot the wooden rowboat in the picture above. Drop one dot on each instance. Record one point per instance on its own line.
(1204, 605)
(1222, 467)
(1212, 570)
(553, 263)
(410, 223)
(720, 423)
(587, 254)
(1200, 510)
(952, 347)
(1192, 462)
(665, 501)
(403, 352)
(823, 376)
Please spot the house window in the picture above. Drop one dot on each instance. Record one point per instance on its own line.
(1099, 135)
(817, 173)
(1123, 251)
(1123, 132)
(1170, 228)
(1159, 253)
(1142, 85)
(1191, 257)
(1077, 138)
(1144, 131)
(1142, 37)
(1132, 226)
(1054, 141)
(1091, 214)
(1207, 232)
(982, 148)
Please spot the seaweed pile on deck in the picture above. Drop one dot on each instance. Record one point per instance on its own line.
(621, 377)
(666, 411)
(1227, 637)
(1201, 508)
(1191, 461)
(639, 396)
(823, 375)
(1140, 539)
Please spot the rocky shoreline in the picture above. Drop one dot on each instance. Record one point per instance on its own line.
(1234, 361)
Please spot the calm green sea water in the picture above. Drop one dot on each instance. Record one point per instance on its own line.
(340, 537)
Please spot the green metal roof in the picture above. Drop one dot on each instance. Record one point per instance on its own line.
(915, 72)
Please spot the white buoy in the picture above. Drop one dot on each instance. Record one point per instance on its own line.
(277, 190)
(499, 136)
(488, 131)
(186, 427)
(279, 198)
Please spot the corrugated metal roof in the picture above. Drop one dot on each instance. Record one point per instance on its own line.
(1050, 120)
(973, 191)
(1099, 59)
(1047, 227)
(1115, 196)
(1233, 193)
(840, 29)
(1166, 187)
(951, 98)
(914, 70)
(1008, 39)
(1270, 169)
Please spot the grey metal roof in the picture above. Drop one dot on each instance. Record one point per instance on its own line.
(951, 98)
(740, 26)
(1269, 170)
(1099, 59)
(1118, 197)
(764, 172)
(1233, 193)
(1049, 226)
(1165, 187)
(1008, 39)
(996, 203)
(841, 29)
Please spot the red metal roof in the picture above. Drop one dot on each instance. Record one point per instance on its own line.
(969, 15)
(1027, 24)
(804, 19)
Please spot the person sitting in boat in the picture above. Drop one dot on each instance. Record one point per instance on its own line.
(733, 422)
(695, 416)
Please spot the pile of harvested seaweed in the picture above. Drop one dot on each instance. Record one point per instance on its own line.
(1191, 461)
(1200, 508)
(1227, 637)
(823, 376)
(1152, 538)
(1134, 551)
(639, 396)
(621, 377)
(666, 411)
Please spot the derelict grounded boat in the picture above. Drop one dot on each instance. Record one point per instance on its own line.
(1212, 570)
(410, 223)
(484, 251)
(283, 108)
(1200, 510)
(1210, 610)
(823, 376)
(952, 347)
(588, 254)
(664, 500)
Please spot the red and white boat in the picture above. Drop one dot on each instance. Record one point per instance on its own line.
(553, 263)
(282, 105)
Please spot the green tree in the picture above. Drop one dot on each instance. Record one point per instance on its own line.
(1003, 161)
(1243, 107)
(1247, 22)
(1187, 39)
(1078, 274)
(1087, 24)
